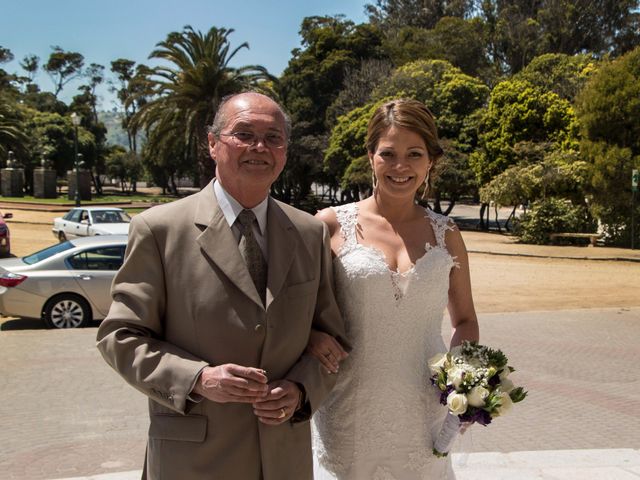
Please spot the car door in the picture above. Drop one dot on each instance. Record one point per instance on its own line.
(84, 226)
(94, 270)
(71, 223)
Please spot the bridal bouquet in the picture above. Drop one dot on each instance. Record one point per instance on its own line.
(474, 385)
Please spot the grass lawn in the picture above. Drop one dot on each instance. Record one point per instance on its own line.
(95, 199)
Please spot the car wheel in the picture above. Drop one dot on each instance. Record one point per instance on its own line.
(62, 237)
(66, 310)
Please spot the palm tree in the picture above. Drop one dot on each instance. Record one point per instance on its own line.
(11, 135)
(187, 91)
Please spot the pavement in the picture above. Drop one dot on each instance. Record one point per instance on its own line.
(66, 415)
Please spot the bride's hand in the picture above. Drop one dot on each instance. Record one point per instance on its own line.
(326, 349)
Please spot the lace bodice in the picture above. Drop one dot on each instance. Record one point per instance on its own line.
(378, 422)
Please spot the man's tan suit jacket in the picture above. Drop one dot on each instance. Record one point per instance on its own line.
(184, 299)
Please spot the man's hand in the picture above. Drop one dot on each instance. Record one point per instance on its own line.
(232, 383)
(279, 404)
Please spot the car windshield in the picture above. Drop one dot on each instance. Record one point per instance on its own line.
(46, 253)
(110, 216)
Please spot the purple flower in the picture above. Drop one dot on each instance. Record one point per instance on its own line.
(476, 415)
(445, 394)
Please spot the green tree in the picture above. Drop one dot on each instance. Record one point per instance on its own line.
(186, 89)
(461, 42)
(124, 166)
(452, 96)
(129, 88)
(520, 30)
(84, 105)
(562, 74)
(541, 173)
(30, 64)
(520, 112)
(7, 81)
(609, 113)
(62, 67)
(395, 14)
(359, 83)
(51, 138)
(453, 178)
(12, 134)
(310, 84)
(347, 145)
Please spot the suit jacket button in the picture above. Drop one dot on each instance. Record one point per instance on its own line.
(259, 328)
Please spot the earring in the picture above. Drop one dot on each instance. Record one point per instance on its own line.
(426, 185)
(374, 181)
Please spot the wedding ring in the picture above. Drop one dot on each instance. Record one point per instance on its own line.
(283, 413)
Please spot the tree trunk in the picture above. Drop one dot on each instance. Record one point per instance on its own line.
(174, 187)
(206, 165)
(436, 203)
(482, 225)
(512, 215)
(452, 203)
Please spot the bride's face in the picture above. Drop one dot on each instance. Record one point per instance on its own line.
(400, 162)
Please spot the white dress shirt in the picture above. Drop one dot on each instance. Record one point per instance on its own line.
(231, 208)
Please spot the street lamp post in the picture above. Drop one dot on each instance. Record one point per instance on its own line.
(75, 119)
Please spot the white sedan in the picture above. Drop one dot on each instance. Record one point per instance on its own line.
(89, 221)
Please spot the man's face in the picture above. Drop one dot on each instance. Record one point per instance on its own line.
(249, 170)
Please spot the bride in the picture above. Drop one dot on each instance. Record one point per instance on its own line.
(397, 266)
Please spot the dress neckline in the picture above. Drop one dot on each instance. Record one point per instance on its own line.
(351, 241)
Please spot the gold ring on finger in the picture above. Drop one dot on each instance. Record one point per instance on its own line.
(283, 413)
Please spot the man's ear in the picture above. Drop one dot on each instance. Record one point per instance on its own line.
(212, 144)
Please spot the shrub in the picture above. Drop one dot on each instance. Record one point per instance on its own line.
(553, 215)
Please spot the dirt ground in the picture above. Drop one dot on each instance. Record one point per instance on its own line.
(500, 283)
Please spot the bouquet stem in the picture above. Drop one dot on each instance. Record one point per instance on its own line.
(446, 436)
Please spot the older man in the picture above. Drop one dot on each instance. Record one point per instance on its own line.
(212, 311)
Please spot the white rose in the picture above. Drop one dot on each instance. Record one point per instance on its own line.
(437, 362)
(455, 375)
(477, 396)
(457, 403)
(505, 404)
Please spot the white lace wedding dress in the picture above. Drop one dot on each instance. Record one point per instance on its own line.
(380, 419)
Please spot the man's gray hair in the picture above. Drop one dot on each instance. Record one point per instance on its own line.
(220, 120)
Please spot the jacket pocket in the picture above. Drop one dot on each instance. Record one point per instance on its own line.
(190, 428)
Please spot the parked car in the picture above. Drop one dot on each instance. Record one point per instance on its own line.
(66, 285)
(89, 221)
(5, 240)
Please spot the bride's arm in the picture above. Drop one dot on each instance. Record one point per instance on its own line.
(461, 310)
(321, 345)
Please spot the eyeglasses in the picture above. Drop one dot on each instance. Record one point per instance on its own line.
(250, 139)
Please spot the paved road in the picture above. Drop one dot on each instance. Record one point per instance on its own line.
(64, 413)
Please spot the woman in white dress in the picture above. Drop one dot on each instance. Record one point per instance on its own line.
(397, 266)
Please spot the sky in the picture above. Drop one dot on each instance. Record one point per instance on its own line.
(105, 30)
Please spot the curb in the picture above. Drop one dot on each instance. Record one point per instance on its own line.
(562, 257)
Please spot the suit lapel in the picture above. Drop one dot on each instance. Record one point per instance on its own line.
(219, 244)
(282, 238)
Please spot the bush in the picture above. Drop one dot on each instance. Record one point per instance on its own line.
(553, 215)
